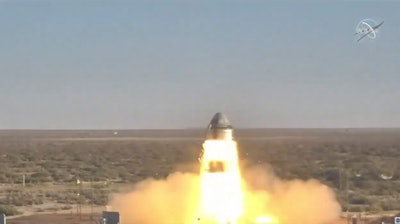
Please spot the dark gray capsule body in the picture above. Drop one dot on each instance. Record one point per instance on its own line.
(220, 128)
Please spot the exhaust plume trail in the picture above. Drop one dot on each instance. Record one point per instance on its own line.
(224, 192)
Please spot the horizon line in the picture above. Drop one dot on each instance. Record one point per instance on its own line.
(193, 128)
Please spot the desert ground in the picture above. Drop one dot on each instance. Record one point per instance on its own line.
(40, 169)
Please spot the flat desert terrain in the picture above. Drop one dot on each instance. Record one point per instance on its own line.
(40, 168)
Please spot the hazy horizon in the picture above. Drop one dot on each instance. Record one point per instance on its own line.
(204, 129)
(172, 65)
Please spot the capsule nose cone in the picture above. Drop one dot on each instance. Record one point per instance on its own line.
(220, 121)
(220, 128)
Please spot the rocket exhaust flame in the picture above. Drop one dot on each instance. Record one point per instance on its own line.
(220, 191)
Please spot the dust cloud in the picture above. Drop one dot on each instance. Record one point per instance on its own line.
(287, 201)
(174, 199)
(169, 201)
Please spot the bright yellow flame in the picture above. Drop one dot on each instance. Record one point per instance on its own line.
(265, 220)
(221, 199)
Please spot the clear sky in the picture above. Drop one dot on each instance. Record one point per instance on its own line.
(171, 64)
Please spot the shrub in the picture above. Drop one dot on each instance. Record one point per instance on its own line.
(374, 208)
(355, 209)
(358, 199)
(9, 210)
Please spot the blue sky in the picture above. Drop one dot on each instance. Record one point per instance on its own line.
(171, 64)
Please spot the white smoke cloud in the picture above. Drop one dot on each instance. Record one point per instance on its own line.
(168, 201)
(293, 201)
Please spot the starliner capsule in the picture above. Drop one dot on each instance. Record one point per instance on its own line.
(221, 197)
(220, 128)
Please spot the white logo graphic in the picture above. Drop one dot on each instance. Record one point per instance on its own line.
(367, 28)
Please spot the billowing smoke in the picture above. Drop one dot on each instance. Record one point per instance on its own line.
(168, 201)
(293, 201)
(174, 199)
